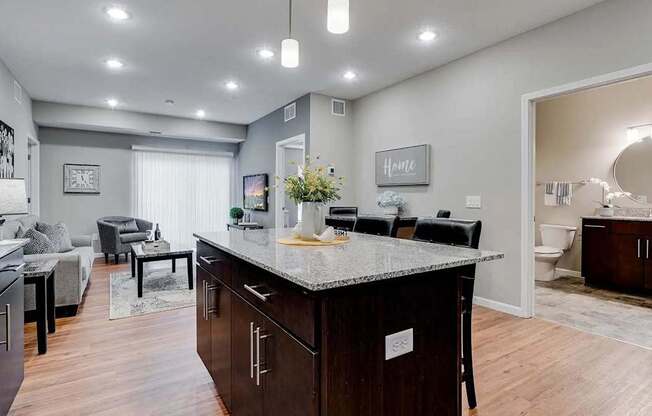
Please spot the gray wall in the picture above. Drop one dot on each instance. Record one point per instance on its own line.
(258, 153)
(470, 112)
(112, 152)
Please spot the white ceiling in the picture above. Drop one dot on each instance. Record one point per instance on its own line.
(187, 50)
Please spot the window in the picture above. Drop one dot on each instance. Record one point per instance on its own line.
(183, 193)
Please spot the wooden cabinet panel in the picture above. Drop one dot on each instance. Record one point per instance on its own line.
(246, 396)
(628, 257)
(202, 319)
(214, 261)
(219, 308)
(11, 331)
(597, 261)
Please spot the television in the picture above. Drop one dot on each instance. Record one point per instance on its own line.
(254, 192)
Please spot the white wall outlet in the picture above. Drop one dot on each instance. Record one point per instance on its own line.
(474, 201)
(399, 343)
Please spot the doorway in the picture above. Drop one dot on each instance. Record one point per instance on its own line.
(290, 155)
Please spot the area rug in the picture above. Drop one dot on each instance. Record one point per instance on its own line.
(162, 291)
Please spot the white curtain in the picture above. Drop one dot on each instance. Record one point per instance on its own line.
(183, 193)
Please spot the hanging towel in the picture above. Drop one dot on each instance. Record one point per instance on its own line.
(550, 194)
(558, 194)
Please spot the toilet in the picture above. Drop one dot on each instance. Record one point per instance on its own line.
(556, 239)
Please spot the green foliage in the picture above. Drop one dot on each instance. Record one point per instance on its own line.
(236, 213)
(313, 185)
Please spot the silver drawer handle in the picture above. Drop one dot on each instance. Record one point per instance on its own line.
(253, 291)
(210, 259)
(251, 348)
(7, 315)
(594, 226)
(13, 268)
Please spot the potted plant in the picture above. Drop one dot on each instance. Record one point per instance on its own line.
(606, 205)
(311, 190)
(236, 214)
(391, 202)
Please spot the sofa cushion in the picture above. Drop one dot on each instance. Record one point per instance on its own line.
(28, 221)
(39, 243)
(58, 234)
(10, 229)
(132, 237)
(127, 227)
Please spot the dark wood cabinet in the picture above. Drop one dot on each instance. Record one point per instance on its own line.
(203, 323)
(617, 254)
(247, 399)
(11, 330)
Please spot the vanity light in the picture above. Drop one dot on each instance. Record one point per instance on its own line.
(337, 20)
(114, 63)
(112, 102)
(117, 13)
(427, 36)
(638, 133)
(200, 114)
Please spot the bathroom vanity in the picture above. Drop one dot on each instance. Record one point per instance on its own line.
(617, 252)
(366, 328)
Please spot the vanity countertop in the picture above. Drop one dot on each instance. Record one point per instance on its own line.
(617, 218)
(366, 258)
(8, 246)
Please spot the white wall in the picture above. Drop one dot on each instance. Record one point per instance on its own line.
(470, 112)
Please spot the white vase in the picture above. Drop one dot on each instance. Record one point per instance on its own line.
(606, 211)
(390, 210)
(312, 220)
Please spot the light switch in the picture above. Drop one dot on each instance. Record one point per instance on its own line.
(474, 202)
(399, 343)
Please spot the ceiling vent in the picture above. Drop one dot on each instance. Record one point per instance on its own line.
(338, 107)
(18, 92)
(290, 112)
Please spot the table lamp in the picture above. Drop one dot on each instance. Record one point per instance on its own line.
(13, 198)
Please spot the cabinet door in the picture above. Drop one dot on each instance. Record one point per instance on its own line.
(289, 374)
(219, 306)
(203, 319)
(246, 396)
(597, 260)
(628, 255)
(11, 353)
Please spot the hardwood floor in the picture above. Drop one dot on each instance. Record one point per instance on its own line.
(148, 366)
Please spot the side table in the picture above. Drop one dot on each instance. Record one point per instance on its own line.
(41, 275)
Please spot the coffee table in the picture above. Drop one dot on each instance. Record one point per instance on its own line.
(139, 257)
(41, 275)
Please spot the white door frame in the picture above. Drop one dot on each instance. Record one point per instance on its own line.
(279, 195)
(34, 152)
(528, 120)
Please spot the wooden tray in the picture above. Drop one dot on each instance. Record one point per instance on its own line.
(298, 242)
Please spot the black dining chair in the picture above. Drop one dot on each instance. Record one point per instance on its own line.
(385, 226)
(343, 211)
(443, 213)
(461, 233)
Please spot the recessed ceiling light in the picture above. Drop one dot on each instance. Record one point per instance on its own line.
(169, 102)
(201, 113)
(112, 102)
(231, 85)
(427, 36)
(114, 63)
(265, 53)
(117, 13)
(350, 75)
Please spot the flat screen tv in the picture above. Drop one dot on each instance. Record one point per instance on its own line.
(254, 189)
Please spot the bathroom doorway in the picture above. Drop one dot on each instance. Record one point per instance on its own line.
(580, 140)
(290, 155)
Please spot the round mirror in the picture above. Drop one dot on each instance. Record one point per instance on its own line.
(633, 170)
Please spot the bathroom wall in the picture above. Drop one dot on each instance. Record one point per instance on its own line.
(580, 136)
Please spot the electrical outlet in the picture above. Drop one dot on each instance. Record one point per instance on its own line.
(399, 343)
(474, 201)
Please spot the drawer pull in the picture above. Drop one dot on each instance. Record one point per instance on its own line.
(253, 291)
(210, 259)
(594, 226)
(639, 248)
(251, 348)
(259, 337)
(13, 268)
(7, 315)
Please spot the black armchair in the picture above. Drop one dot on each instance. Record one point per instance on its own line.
(118, 233)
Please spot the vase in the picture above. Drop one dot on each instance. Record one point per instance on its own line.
(390, 210)
(312, 220)
(606, 211)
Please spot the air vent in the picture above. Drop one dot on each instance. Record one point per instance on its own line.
(18, 92)
(290, 112)
(338, 107)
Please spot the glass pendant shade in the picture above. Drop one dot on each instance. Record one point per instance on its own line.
(290, 53)
(337, 20)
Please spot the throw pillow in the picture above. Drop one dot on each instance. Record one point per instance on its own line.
(39, 243)
(128, 227)
(58, 234)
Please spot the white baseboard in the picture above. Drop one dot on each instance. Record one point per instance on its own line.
(500, 307)
(559, 272)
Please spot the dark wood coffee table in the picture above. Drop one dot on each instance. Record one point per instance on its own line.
(41, 275)
(139, 257)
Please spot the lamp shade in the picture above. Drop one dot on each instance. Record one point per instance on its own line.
(337, 17)
(13, 198)
(290, 53)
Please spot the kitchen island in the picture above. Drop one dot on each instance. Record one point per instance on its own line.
(366, 328)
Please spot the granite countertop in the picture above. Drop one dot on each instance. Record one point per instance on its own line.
(366, 258)
(7, 246)
(616, 218)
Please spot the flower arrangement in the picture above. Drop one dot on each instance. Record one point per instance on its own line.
(312, 185)
(608, 197)
(391, 202)
(236, 214)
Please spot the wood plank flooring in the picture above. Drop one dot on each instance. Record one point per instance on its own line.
(148, 366)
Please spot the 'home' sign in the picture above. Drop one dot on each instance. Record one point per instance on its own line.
(404, 166)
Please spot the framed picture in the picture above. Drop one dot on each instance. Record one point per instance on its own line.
(403, 166)
(7, 147)
(81, 179)
(254, 189)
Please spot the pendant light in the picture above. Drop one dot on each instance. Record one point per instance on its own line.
(290, 48)
(337, 20)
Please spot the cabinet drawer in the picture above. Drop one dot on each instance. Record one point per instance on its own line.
(8, 265)
(214, 261)
(294, 308)
(596, 225)
(632, 227)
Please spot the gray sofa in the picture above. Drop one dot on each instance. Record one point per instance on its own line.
(73, 272)
(117, 234)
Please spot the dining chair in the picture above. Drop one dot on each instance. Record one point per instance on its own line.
(381, 225)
